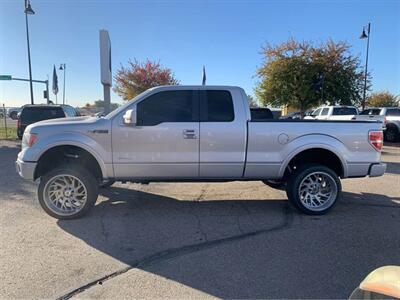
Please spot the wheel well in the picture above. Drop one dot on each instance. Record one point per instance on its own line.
(389, 125)
(317, 156)
(60, 155)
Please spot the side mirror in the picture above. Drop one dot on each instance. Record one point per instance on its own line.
(130, 117)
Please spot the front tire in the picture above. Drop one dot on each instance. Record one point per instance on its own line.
(67, 192)
(314, 189)
(275, 184)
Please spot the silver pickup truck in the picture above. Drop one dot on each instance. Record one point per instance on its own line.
(195, 133)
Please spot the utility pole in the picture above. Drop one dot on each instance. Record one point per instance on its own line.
(363, 36)
(29, 11)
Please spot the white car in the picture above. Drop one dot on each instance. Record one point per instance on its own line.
(338, 112)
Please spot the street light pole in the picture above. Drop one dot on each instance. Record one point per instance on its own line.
(29, 11)
(363, 36)
(63, 67)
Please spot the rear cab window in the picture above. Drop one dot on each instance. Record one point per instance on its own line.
(216, 106)
(342, 111)
(35, 114)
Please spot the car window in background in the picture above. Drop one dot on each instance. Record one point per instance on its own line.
(325, 111)
(393, 112)
(69, 111)
(316, 112)
(167, 106)
(373, 112)
(217, 107)
(35, 114)
(341, 111)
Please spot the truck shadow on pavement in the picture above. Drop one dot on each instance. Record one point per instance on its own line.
(242, 249)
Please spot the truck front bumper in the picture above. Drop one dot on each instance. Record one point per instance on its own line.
(377, 170)
(25, 169)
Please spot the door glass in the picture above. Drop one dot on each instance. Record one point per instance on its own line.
(217, 106)
(167, 106)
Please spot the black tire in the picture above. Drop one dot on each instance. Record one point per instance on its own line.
(275, 184)
(85, 177)
(296, 179)
(392, 134)
(107, 184)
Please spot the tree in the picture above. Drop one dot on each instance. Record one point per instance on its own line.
(252, 102)
(302, 75)
(100, 104)
(382, 99)
(138, 77)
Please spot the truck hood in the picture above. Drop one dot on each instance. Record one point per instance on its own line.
(67, 121)
(76, 124)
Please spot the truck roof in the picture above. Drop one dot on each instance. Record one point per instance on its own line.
(194, 87)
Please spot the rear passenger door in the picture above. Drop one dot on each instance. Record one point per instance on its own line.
(222, 134)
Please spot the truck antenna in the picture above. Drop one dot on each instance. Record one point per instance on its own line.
(204, 76)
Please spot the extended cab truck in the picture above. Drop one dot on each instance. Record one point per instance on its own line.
(195, 133)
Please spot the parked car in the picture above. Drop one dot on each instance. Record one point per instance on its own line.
(338, 112)
(195, 133)
(12, 112)
(391, 118)
(292, 116)
(34, 113)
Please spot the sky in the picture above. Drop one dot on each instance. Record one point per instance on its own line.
(225, 36)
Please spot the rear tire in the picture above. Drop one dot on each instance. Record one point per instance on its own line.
(392, 134)
(313, 189)
(67, 192)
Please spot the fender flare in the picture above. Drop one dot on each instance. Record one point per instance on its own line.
(71, 139)
(327, 143)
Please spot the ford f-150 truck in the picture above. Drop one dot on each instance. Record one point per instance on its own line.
(195, 133)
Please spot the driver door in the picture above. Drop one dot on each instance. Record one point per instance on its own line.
(165, 141)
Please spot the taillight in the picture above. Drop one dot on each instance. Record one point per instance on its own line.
(376, 139)
(19, 123)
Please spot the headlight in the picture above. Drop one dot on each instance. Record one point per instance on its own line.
(28, 140)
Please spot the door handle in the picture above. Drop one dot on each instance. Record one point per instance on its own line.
(189, 134)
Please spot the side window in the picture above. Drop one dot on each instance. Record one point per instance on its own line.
(325, 111)
(167, 106)
(316, 112)
(69, 111)
(393, 112)
(216, 106)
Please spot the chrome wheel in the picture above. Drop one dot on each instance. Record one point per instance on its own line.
(65, 194)
(318, 191)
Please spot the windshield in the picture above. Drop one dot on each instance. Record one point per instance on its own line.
(123, 107)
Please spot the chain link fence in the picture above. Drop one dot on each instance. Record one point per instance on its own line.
(8, 126)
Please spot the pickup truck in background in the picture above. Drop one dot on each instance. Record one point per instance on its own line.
(390, 116)
(195, 133)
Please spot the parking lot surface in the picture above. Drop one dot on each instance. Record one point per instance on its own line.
(200, 240)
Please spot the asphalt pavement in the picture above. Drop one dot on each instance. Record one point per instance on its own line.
(196, 240)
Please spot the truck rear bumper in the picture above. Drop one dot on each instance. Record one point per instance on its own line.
(377, 170)
(25, 169)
